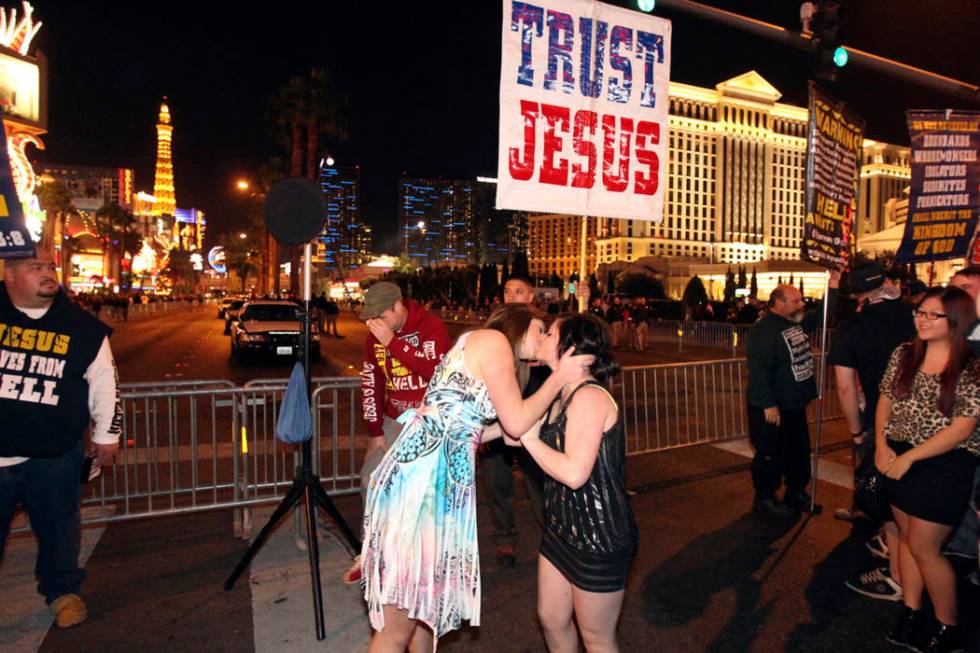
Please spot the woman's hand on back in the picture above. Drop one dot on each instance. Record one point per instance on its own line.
(572, 368)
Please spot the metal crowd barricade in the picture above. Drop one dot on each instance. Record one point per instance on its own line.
(681, 404)
(191, 446)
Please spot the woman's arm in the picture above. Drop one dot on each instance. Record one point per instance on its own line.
(495, 431)
(491, 432)
(493, 361)
(584, 426)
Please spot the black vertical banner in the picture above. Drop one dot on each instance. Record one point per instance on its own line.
(15, 239)
(944, 193)
(835, 142)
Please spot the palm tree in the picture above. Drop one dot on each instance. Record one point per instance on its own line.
(241, 255)
(179, 272)
(306, 106)
(55, 200)
(117, 229)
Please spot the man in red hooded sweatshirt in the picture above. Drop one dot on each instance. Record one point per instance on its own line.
(401, 353)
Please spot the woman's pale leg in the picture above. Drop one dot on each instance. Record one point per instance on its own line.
(421, 641)
(597, 614)
(396, 634)
(925, 542)
(555, 608)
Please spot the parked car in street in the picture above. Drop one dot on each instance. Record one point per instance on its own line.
(270, 327)
(223, 305)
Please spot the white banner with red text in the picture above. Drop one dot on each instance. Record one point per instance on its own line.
(583, 110)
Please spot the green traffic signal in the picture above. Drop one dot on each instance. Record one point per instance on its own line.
(840, 57)
(646, 5)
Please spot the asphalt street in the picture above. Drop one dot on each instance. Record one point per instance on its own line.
(710, 575)
(188, 343)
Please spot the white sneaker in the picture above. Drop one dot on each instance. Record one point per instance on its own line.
(877, 546)
(877, 584)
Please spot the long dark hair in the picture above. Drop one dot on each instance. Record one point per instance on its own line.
(513, 320)
(589, 335)
(960, 314)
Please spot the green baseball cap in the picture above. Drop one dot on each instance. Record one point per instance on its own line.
(379, 298)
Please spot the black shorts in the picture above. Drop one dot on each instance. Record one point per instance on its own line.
(588, 571)
(936, 489)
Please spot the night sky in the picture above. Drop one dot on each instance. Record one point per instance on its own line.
(422, 80)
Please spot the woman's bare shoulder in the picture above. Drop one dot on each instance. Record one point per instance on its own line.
(487, 338)
(593, 400)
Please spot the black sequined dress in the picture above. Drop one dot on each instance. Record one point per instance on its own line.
(589, 533)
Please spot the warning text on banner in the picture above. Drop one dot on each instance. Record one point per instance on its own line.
(835, 143)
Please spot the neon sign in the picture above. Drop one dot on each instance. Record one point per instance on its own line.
(216, 258)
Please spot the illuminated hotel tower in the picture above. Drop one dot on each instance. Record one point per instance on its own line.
(163, 182)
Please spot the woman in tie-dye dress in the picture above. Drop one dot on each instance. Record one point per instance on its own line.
(420, 561)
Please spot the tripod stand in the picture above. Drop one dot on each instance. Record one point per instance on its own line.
(306, 487)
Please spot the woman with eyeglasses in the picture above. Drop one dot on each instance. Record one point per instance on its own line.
(928, 442)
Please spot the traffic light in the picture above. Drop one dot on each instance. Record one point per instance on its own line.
(828, 31)
(646, 5)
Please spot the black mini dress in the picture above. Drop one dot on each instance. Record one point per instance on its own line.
(589, 533)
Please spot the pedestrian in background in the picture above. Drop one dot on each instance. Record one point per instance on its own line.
(59, 379)
(330, 313)
(927, 443)
(781, 386)
(614, 318)
(640, 315)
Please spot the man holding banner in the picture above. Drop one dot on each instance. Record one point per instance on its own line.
(782, 371)
(782, 383)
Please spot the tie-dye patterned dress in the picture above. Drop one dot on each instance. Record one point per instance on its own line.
(420, 547)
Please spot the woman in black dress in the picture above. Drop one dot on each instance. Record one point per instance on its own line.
(589, 539)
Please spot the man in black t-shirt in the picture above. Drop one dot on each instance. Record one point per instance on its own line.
(862, 347)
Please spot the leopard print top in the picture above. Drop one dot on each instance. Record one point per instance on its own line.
(917, 418)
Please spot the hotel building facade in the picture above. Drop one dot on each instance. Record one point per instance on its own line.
(736, 189)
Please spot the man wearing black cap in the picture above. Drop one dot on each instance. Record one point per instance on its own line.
(402, 350)
(862, 346)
